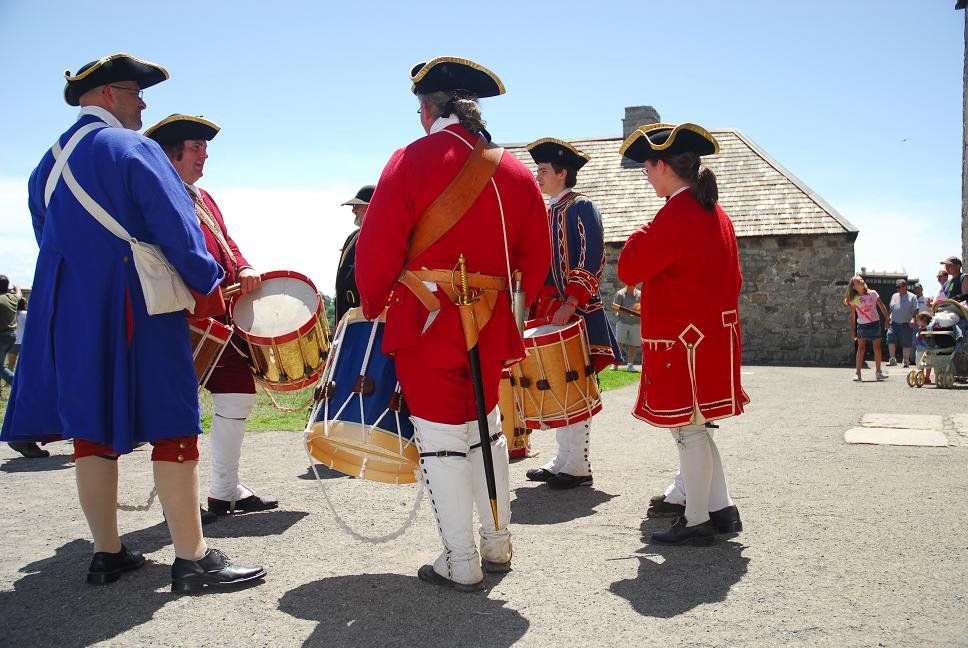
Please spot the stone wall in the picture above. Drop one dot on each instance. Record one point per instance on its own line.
(791, 308)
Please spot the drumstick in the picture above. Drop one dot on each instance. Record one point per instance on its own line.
(228, 291)
(623, 309)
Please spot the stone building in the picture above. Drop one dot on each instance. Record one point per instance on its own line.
(797, 252)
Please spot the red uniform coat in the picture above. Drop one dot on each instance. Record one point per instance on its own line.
(688, 259)
(432, 364)
(232, 374)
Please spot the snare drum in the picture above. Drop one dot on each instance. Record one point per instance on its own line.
(512, 422)
(284, 325)
(556, 384)
(209, 338)
(360, 425)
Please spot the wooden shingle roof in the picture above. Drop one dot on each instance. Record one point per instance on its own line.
(761, 197)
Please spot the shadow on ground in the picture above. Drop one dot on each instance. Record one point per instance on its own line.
(395, 610)
(672, 580)
(324, 473)
(42, 464)
(542, 505)
(52, 605)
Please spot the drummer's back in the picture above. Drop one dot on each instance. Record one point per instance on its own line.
(517, 199)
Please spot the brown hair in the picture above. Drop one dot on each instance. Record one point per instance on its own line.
(701, 179)
(924, 315)
(571, 178)
(851, 293)
(460, 103)
(174, 150)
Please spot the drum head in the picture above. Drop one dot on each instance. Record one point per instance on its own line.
(280, 305)
(544, 329)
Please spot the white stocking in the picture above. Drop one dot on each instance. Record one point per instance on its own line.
(495, 543)
(578, 435)
(554, 466)
(229, 412)
(448, 481)
(718, 491)
(696, 466)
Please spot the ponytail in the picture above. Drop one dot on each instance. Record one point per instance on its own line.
(701, 179)
(705, 189)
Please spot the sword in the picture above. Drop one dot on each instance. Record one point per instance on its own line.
(517, 302)
(465, 303)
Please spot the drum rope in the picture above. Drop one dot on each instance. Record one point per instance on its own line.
(283, 408)
(393, 535)
(144, 507)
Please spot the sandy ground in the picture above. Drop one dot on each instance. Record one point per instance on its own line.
(845, 545)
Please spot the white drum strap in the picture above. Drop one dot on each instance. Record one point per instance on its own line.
(356, 535)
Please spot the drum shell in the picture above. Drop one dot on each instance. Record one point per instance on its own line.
(546, 395)
(292, 360)
(512, 423)
(357, 433)
(208, 338)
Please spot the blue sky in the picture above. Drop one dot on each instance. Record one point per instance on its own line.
(861, 99)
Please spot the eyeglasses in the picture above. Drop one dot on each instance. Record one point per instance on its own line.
(140, 93)
(419, 111)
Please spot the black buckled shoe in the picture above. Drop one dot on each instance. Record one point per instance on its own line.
(562, 481)
(539, 475)
(428, 575)
(660, 508)
(29, 449)
(214, 569)
(107, 567)
(727, 520)
(700, 535)
(248, 504)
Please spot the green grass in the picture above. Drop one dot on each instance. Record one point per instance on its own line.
(610, 379)
(265, 417)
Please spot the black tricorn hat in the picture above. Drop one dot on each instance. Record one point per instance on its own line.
(655, 141)
(109, 69)
(363, 196)
(178, 128)
(446, 73)
(549, 149)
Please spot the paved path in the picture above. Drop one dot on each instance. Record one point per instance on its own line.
(845, 545)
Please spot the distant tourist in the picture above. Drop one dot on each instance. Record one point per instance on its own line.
(14, 351)
(942, 280)
(904, 306)
(957, 285)
(923, 319)
(628, 326)
(864, 322)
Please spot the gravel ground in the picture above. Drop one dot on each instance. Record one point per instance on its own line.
(844, 545)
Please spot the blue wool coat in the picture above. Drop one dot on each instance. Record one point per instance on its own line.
(577, 265)
(94, 365)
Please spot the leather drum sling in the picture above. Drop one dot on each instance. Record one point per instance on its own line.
(439, 218)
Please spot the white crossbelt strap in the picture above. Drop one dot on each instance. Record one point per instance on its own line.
(61, 157)
(61, 168)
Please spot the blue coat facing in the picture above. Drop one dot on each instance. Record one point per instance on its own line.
(94, 365)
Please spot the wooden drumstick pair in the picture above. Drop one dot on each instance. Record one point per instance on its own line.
(623, 309)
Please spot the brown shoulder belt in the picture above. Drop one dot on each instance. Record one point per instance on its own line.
(451, 205)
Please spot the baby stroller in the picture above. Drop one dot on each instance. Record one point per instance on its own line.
(946, 341)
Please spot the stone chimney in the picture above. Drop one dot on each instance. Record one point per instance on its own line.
(636, 116)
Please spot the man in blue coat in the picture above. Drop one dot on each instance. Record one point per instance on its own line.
(96, 367)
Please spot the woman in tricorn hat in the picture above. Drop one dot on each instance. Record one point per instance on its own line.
(688, 260)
